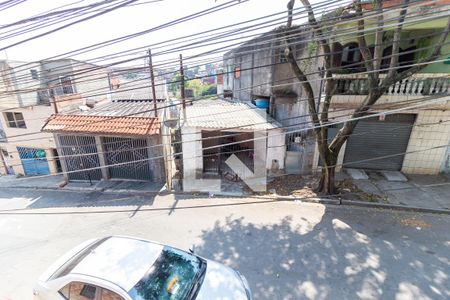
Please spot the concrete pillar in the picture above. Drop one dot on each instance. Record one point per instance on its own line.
(62, 159)
(102, 157)
(14, 159)
(192, 152)
(155, 158)
(51, 159)
(276, 148)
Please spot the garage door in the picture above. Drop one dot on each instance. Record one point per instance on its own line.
(379, 144)
(128, 158)
(33, 161)
(81, 158)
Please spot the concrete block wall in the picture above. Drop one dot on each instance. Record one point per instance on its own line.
(425, 137)
(192, 152)
(276, 149)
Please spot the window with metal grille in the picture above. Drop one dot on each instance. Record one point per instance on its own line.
(34, 74)
(65, 86)
(14, 119)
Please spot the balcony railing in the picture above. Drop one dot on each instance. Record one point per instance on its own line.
(412, 86)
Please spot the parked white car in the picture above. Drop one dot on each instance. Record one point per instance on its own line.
(124, 268)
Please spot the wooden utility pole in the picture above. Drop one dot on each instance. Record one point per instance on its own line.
(183, 96)
(152, 78)
(53, 100)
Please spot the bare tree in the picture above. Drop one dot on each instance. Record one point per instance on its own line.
(377, 86)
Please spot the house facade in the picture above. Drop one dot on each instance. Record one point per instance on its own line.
(30, 93)
(258, 69)
(111, 141)
(215, 130)
(415, 140)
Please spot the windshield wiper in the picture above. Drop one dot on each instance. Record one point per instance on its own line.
(197, 282)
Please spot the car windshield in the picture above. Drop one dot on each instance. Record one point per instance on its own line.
(174, 275)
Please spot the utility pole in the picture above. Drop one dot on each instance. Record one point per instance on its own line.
(152, 78)
(53, 100)
(183, 96)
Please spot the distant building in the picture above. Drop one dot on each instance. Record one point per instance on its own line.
(32, 92)
(258, 69)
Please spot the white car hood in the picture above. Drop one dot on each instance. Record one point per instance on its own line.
(221, 283)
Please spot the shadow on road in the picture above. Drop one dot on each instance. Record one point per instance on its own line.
(344, 256)
(58, 199)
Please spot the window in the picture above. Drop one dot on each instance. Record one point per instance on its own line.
(351, 54)
(84, 291)
(15, 120)
(65, 291)
(34, 74)
(237, 72)
(108, 295)
(65, 86)
(282, 56)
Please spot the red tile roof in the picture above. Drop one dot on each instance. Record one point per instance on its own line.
(103, 125)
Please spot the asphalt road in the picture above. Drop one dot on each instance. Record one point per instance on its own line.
(287, 250)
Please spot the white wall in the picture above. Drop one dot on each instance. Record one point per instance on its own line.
(192, 152)
(276, 149)
(35, 117)
(423, 137)
(13, 77)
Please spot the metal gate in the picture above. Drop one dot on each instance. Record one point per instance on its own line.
(80, 153)
(379, 145)
(128, 158)
(33, 161)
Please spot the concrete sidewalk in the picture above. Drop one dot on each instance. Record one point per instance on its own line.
(58, 183)
(37, 182)
(423, 191)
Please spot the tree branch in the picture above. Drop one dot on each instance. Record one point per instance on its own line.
(361, 37)
(423, 63)
(365, 52)
(349, 126)
(318, 30)
(306, 85)
(378, 52)
(297, 71)
(374, 95)
(396, 42)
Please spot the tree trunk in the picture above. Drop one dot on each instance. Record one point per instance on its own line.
(326, 183)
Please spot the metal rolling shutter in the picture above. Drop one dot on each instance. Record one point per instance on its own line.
(373, 138)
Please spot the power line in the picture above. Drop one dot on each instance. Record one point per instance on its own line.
(159, 27)
(284, 12)
(434, 34)
(122, 4)
(55, 158)
(260, 138)
(261, 66)
(194, 34)
(374, 107)
(205, 97)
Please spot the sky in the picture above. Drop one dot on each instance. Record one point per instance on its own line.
(126, 21)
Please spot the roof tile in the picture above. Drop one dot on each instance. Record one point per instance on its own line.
(103, 125)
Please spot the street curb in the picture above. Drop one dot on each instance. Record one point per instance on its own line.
(360, 204)
(87, 189)
(274, 197)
